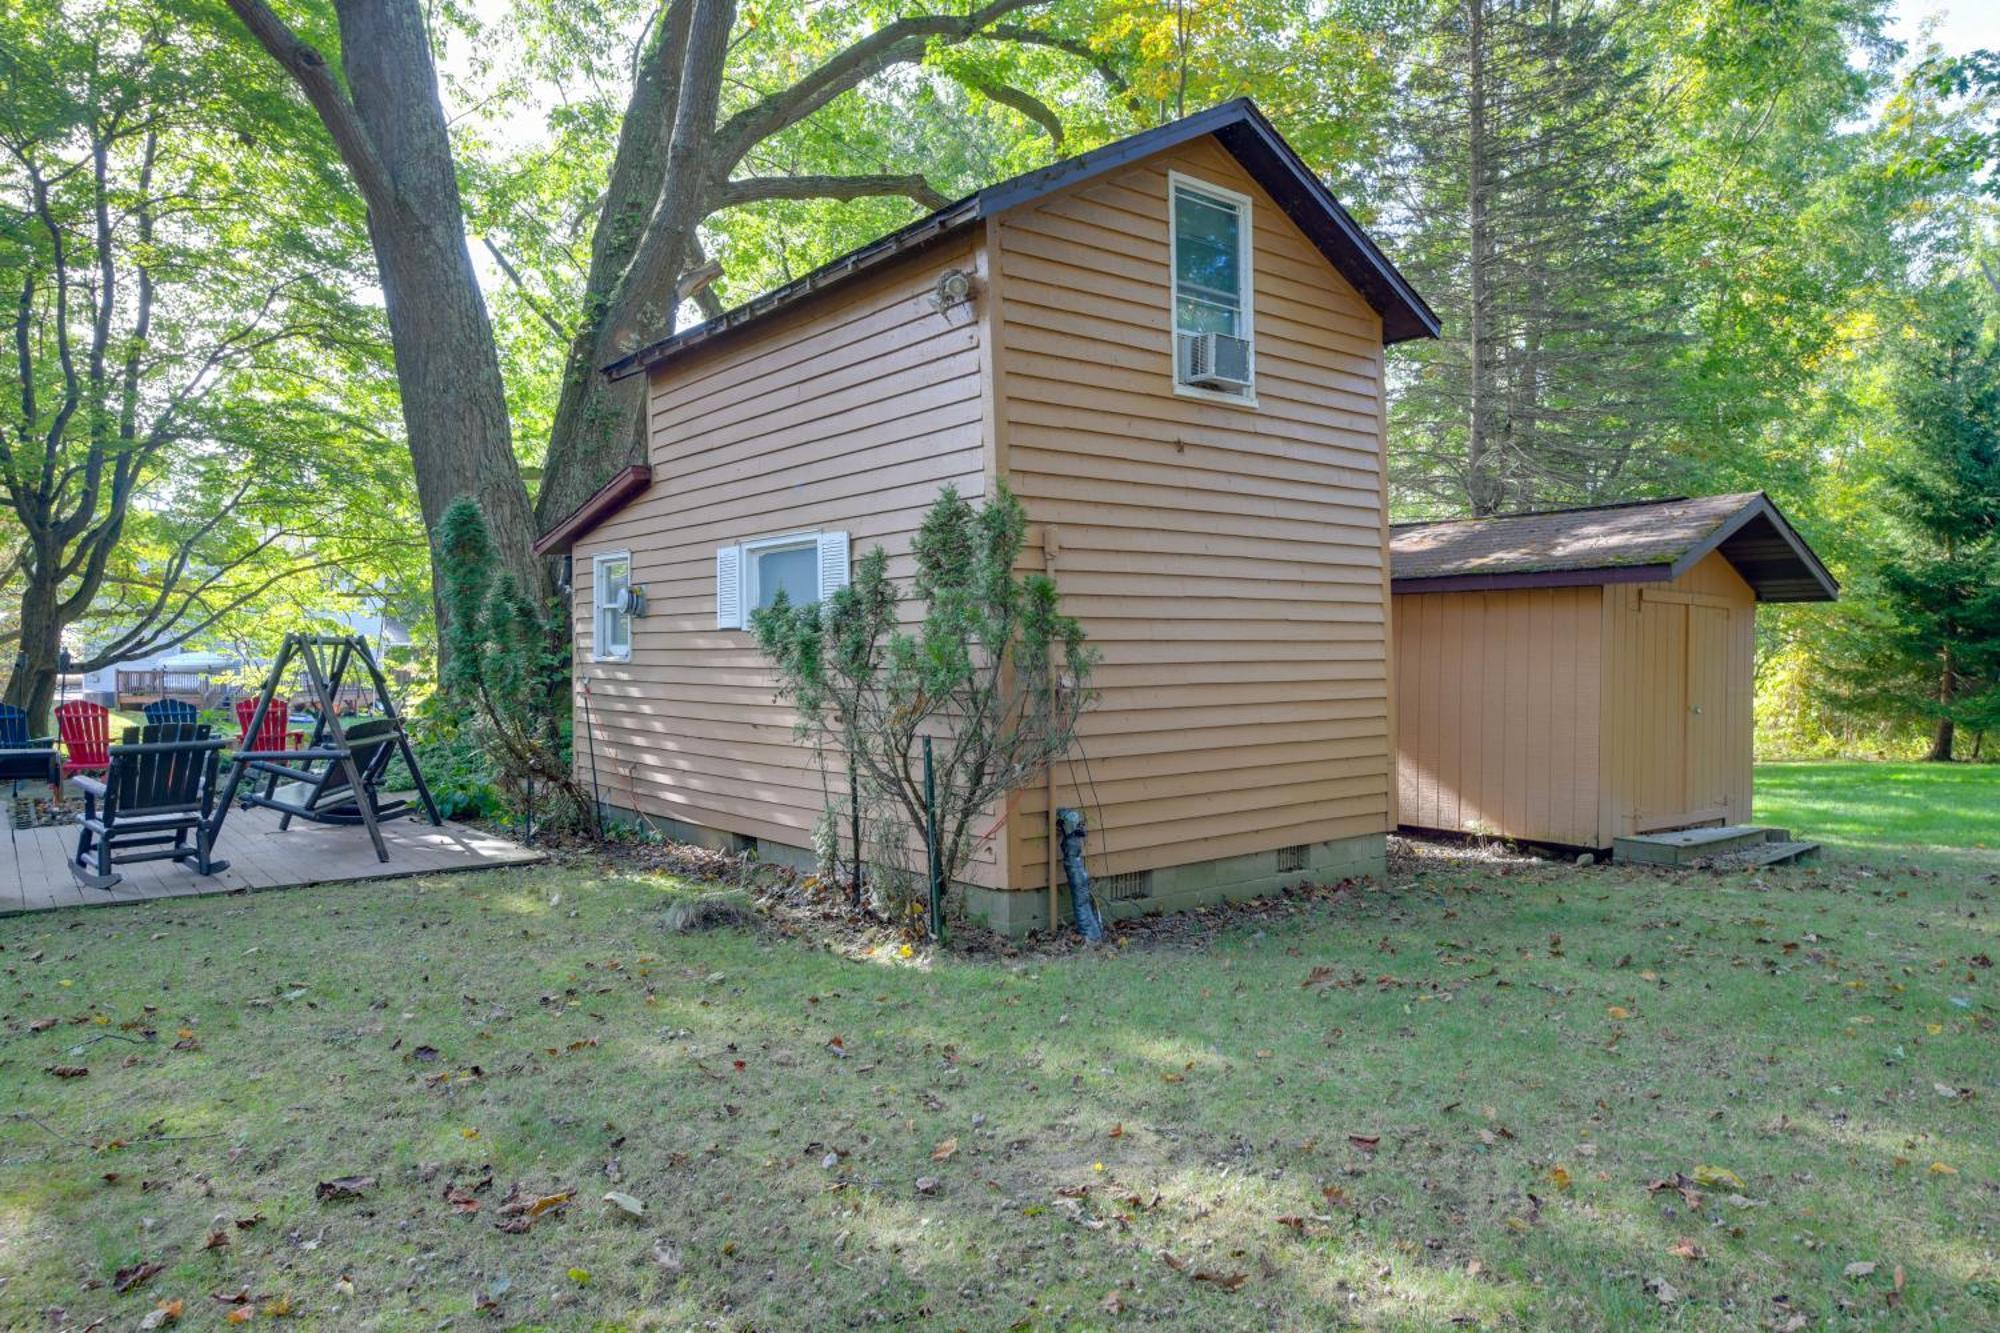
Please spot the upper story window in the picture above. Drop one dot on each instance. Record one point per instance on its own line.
(1209, 229)
(611, 627)
(805, 566)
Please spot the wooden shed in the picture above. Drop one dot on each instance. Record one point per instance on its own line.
(1577, 676)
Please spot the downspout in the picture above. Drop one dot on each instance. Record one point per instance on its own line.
(1055, 918)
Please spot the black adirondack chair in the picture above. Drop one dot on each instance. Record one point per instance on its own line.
(158, 793)
(25, 758)
(320, 790)
(171, 710)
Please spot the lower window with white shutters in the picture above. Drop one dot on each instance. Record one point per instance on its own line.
(749, 575)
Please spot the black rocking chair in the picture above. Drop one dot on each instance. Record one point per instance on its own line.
(159, 790)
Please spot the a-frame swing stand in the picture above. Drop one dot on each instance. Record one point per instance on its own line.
(329, 744)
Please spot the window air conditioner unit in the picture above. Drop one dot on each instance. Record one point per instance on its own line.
(1217, 361)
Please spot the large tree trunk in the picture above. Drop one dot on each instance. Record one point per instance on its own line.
(661, 182)
(454, 401)
(1482, 483)
(389, 128)
(32, 685)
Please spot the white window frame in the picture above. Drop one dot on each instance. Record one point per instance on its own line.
(1246, 246)
(790, 541)
(598, 606)
(831, 557)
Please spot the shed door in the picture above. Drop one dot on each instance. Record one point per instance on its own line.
(1707, 712)
(1660, 710)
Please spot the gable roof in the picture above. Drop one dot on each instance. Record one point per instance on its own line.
(1241, 129)
(1642, 542)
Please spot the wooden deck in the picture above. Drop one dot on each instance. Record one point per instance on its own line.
(35, 876)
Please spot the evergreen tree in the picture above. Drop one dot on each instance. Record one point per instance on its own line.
(1924, 641)
(1531, 187)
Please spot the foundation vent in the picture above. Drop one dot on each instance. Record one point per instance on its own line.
(1293, 858)
(1123, 888)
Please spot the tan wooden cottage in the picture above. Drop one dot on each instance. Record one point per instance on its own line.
(1171, 348)
(1584, 675)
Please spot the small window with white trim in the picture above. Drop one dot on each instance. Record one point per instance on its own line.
(804, 566)
(1208, 230)
(611, 584)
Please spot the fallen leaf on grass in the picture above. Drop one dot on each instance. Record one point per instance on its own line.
(461, 1200)
(625, 1203)
(1859, 1268)
(166, 1312)
(514, 1226)
(136, 1275)
(41, 1025)
(945, 1151)
(245, 1223)
(68, 1071)
(1114, 1303)
(1715, 1177)
(1559, 1177)
(278, 1307)
(242, 1314)
(1940, 1169)
(1687, 1250)
(1662, 1291)
(1223, 1281)
(1617, 1012)
(1681, 1182)
(344, 1187)
(580, 1276)
(1365, 1142)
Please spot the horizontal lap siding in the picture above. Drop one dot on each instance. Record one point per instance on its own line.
(1226, 560)
(1497, 700)
(849, 415)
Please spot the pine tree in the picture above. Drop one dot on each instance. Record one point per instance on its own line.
(1943, 584)
(1530, 186)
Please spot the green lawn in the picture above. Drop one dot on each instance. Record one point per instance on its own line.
(1440, 1100)
(1948, 809)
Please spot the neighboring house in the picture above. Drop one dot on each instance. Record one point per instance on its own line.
(1213, 509)
(212, 676)
(1584, 675)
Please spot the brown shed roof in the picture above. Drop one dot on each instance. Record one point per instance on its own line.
(1644, 541)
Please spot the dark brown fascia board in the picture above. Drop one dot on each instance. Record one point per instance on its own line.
(1762, 507)
(1531, 578)
(1244, 133)
(608, 500)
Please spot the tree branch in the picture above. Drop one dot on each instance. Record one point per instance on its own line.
(901, 42)
(315, 79)
(514, 276)
(1025, 36)
(1028, 105)
(756, 189)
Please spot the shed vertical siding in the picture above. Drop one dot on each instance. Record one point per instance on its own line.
(1645, 714)
(1498, 696)
(1227, 560)
(846, 415)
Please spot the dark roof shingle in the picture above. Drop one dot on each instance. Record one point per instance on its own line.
(1642, 541)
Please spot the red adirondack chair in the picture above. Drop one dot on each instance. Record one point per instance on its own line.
(85, 729)
(273, 734)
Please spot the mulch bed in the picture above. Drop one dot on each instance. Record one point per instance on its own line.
(25, 812)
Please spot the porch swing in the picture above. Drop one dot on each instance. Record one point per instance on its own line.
(335, 778)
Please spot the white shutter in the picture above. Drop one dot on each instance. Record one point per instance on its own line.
(832, 563)
(729, 587)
